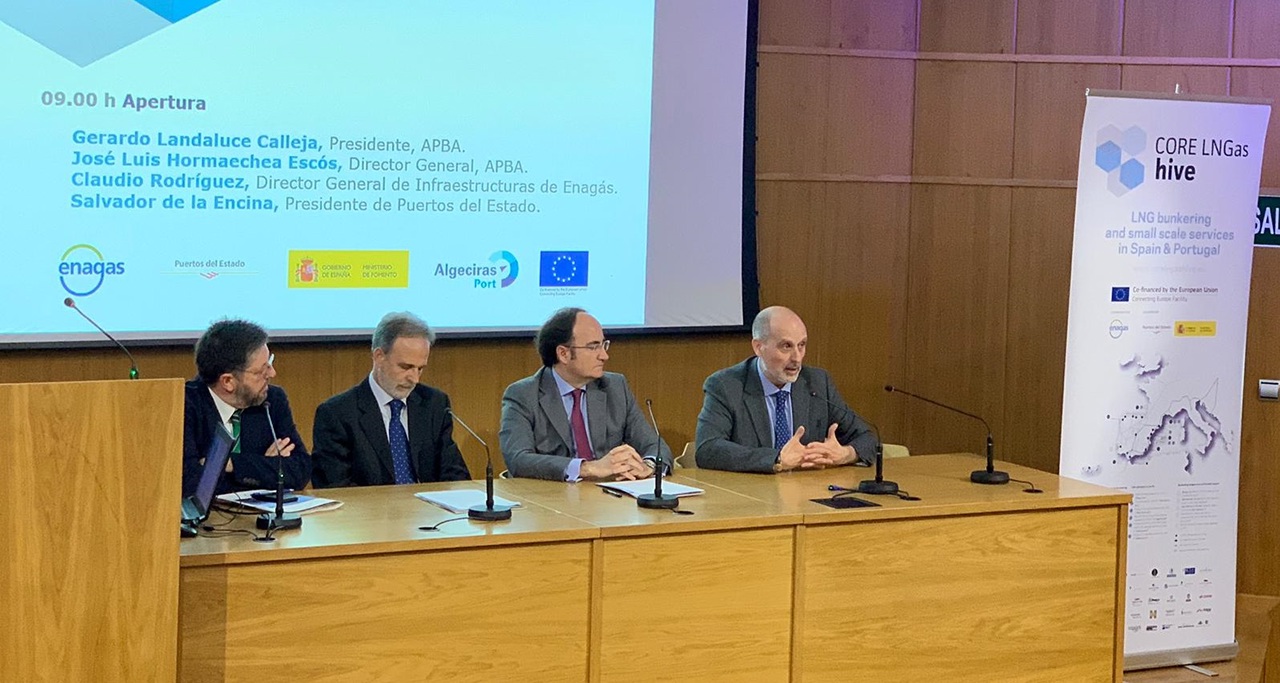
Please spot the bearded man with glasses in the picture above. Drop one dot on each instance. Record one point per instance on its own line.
(571, 420)
(232, 391)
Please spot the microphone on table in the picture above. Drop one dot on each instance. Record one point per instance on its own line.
(655, 500)
(487, 512)
(878, 486)
(988, 476)
(133, 365)
(279, 520)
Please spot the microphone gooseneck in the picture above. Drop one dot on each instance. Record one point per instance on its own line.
(988, 476)
(279, 520)
(488, 512)
(655, 500)
(878, 486)
(133, 364)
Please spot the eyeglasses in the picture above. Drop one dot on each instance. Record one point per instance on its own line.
(271, 363)
(593, 347)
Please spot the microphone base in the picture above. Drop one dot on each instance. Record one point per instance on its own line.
(652, 502)
(484, 513)
(270, 521)
(993, 477)
(878, 487)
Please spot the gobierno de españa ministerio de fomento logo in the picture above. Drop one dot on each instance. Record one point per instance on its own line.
(83, 269)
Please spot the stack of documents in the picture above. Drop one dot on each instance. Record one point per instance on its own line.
(302, 505)
(461, 500)
(640, 486)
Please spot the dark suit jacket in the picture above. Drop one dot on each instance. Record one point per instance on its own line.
(734, 432)
(351, 447)
(252, 469)
(535, 436)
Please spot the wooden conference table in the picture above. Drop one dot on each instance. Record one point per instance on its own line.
(972, 583)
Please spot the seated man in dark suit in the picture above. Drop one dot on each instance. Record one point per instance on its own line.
(770, 413)
(572, 420)
(389, 429)
(233, 392)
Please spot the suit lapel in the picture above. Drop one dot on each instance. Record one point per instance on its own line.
(598, 417)
(419, 435)
(374, 429)
(756, 409)
(801, 402)
(553, 407)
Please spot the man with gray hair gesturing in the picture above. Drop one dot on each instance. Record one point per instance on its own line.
(389, 429)
(771, 413)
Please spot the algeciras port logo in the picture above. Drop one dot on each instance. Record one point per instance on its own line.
(83, 269)
(512, 266)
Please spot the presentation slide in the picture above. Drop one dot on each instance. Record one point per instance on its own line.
(311, 165)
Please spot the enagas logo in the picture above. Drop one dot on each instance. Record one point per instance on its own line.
(83, 269)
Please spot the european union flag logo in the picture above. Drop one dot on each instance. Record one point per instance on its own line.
(563, 269)
(1120, 294)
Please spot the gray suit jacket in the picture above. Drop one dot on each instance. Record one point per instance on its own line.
(734, 432)
(535, 437)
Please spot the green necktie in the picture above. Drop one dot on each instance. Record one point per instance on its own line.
(235, 431)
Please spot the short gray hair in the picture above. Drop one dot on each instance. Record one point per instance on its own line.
(760, 326)
(396, 325)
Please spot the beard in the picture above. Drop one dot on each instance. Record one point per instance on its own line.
(248, 399)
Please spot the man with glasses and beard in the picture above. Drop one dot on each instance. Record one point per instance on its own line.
(232, 391)
(572, 420)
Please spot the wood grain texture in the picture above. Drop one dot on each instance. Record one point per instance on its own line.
(1255, 27)
(791, 126)
(1078, 27)
(1197, 80)
(873, 24)
(89, 579)
(983, 26)
(462, 615)
(1259, 515)
(1015, 597)
(963, 119)
(1177, 28)
(1262, 82)
(382, 520)
(710, 628)
(957, 319)
(1049, 114)
(869, 122)
(1040, 239)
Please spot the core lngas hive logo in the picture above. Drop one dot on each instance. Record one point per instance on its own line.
(83, 269)
(113, 25)
(501, 271)
(1117, 153)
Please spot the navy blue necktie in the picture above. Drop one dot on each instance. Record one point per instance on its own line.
(399, 445)
(780, 434)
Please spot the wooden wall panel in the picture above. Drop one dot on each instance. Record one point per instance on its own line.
(1259, 527)
(869, 116)
(792, 117)
(1197, 80)
(963, 119)
(956, 319)
(796, 24)
(1263, 82)
(1177, 28)
(1040, 238)
(1257, 23)
(982, 26)
(872, 24)
(1050, 110)
(1069, 27)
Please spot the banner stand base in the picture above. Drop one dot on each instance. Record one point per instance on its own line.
(1194, 655)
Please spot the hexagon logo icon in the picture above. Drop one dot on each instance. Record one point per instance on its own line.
(1116, 153)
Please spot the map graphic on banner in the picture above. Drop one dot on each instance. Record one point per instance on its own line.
(1165, 217)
